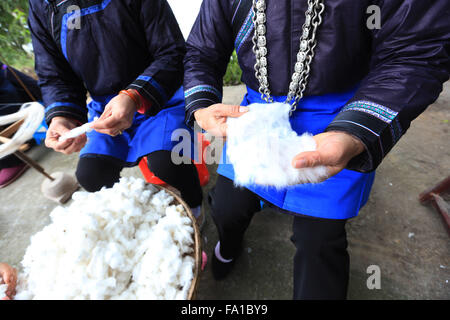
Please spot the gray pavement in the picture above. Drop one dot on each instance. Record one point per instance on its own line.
(408, 241)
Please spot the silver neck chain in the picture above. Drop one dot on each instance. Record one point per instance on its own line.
(308, 43)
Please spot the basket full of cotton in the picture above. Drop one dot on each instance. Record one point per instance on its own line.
(131, 241)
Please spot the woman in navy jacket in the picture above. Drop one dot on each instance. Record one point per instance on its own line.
(104, 47)
(369, 78)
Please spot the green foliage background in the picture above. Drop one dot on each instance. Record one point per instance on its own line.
(14, 33)
(234, 72)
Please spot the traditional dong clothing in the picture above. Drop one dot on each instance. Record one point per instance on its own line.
(370, 83)
(102, 47)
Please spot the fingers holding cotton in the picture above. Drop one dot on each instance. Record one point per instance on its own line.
(261, 146)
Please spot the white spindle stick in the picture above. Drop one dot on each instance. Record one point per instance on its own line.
(85, 128)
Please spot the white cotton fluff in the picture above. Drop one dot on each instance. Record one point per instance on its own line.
(261, 146)
(3, 288)
(127, 242)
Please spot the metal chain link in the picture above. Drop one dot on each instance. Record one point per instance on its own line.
(260, 49)
(308, 43)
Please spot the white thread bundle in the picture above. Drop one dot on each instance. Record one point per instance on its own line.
(126, 242)
(261, 146)
(33, 113)
(78, 131)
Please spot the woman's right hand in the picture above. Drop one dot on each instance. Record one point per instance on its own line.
(214, 118)
(59, 126)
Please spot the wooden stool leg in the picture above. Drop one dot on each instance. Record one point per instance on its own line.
(433, 195)
(8, 132)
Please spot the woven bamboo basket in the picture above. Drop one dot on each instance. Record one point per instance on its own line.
(197, 255)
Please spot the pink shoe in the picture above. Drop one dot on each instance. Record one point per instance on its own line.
(9, 175)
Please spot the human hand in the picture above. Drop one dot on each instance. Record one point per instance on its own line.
(117, 116)
(334, 150)
(214, 118)
(9, 276)
(59, 126)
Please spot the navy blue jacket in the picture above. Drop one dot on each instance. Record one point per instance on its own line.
(119, 44)
(399, 68)
(12, 92)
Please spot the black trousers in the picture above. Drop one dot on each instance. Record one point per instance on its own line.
(321, 262)
(95, 173)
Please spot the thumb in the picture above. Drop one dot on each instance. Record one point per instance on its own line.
(106, 123)
(58, 129)
(307, 160)
(223, 129)
(232, 111)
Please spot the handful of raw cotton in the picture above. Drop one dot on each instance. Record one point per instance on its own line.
(261, 146)
(126, 242)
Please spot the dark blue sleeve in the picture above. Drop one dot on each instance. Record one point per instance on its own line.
(164, 75)
(63, 92)
(410, 62)
(209, 48)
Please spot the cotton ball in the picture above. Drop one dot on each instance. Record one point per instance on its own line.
(22, 291)
(114, 256)
(170, 264)
(186, 272)
(170, 293)
(160, 200)
(80, 195)
(144, 196)
(152, 217)
(261, 146)
(179, 228)
(181, 294)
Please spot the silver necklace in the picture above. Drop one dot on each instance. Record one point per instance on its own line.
(308, 43)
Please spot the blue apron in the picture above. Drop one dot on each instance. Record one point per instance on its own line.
(339, 197)
(146, 134)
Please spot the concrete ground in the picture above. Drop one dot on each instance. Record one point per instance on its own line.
(408, 241)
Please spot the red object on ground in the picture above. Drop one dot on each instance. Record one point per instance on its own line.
(203, 173)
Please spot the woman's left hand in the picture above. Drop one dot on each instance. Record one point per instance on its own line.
(334, 150)
(117, 117)
(9, 276)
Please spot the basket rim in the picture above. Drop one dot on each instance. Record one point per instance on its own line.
(197, 239)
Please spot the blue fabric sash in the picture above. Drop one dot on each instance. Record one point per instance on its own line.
(339, 197)
(147, 134)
